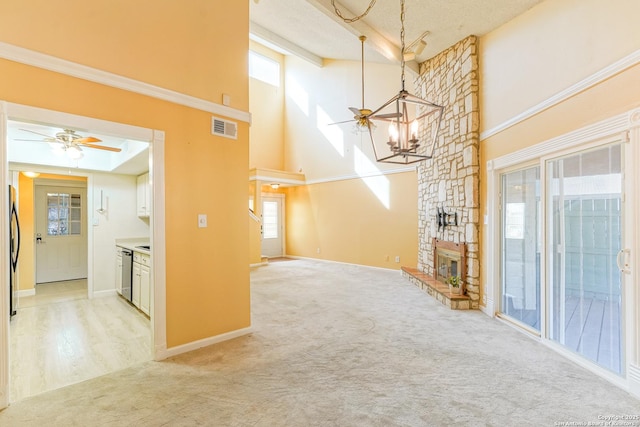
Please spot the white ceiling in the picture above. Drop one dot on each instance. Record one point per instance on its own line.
(37, 154)
(313, 27)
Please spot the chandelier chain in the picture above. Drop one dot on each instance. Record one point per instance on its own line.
(355, 18)
(402, 47)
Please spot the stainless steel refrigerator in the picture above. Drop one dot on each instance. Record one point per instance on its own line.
(14, 250)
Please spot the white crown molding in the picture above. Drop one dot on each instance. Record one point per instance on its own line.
(360, 176)
(615, 128)
(596, 78)
(52, 63)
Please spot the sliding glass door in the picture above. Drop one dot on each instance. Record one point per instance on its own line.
(560, 239)
(520, 246)
(584, 229)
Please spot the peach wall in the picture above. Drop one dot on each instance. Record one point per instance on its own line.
(348, 222)
(542, 52)
(207, 274)
(266, 149)
(549, 48)
(164, 43)
(26, 261)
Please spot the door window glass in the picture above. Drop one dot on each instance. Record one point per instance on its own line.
(64, 213)
(520, 244)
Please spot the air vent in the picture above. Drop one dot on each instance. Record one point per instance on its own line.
(224, 128)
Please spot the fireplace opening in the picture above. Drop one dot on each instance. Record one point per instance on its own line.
(448, 260)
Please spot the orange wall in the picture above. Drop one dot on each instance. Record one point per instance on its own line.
(350, 224)
(167, 44)
(27, 262)
(192, 48)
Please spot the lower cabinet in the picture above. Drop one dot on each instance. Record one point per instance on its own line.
(135, 284)
(141, 282)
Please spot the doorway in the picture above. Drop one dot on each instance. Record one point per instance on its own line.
(60, 232)
(156, 335)
(272, 225)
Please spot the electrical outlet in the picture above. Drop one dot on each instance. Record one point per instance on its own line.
(318, 250)
(398, 258)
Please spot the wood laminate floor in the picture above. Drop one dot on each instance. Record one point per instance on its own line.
(60, 337)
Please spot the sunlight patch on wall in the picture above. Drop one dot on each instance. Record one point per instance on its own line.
(371, 175)
(333, 134)
(299, 96)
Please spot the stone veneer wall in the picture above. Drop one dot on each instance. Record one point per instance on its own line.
(451, 179)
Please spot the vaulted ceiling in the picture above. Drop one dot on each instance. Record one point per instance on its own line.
(313, 30)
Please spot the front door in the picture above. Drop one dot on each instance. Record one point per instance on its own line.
(272, 226)
(61, 235)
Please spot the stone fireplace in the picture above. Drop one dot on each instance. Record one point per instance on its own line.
(449, 183)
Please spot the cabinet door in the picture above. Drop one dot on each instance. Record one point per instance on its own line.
(135, 285)
(142, 202)
(145, 289)
(119, 273)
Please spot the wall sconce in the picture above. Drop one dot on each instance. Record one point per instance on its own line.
(446, 219)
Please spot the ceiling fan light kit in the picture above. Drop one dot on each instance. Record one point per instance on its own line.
(69, 142)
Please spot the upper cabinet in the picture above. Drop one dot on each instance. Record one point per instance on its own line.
(144, 196)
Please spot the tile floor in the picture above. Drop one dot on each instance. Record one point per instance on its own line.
(60, 337)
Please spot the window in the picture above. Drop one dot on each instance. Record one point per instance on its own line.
(264, 69)
(64, 214)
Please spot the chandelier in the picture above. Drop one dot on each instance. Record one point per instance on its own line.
(413, 123)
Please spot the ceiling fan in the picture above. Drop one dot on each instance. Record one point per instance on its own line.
(69, 141)
(362, 116)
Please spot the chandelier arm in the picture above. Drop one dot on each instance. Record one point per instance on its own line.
(355, 18)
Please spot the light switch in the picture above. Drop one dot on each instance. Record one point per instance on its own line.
(202, 220)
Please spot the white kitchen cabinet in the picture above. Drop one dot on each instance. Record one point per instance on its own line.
(145, 290)
(143, 196)
(142, 282)
(135, 284)
(119, 271)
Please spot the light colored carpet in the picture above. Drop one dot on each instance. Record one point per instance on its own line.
(342, 345)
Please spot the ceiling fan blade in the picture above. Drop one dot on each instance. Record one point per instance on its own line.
(355, 110)
(339, 123)
(38, 133)
(100, 147)
(86, 140)
(34, 140)
(387, 116)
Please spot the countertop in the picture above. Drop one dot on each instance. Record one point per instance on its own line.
(132, 245)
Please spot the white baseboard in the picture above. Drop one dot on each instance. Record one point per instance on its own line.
(103, 294)
(162, 354)
(399, 270)
(258, 264)
(633, 376)
(26, 293)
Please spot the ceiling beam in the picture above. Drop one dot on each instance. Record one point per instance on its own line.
(358, 28)
(274, 41)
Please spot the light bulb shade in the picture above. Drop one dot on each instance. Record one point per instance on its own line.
(413, 126)
(75, 153)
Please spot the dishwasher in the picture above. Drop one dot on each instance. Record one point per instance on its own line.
(127, 267)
